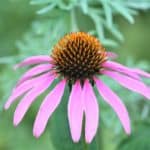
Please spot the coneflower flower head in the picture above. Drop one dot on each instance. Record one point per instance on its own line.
(78, 56)
(77, 60)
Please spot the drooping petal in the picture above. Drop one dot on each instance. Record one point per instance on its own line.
(33, 60)
(24, 87)
(130, 83)
(34, 71)
(112, 55)
(48, 106)
(91, 112)
(75, 111)
(29, 98)
(120, 68)
(142, 73)
(114, 101)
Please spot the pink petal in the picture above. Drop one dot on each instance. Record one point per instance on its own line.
(112, 55)
(29, 98)
(91, 112)
(120, 68)
(34, 71)
(75, 111)
(33, 60)
(24, 87)
(130, 83)
(48, 106)
(114, 101)
(142, 73)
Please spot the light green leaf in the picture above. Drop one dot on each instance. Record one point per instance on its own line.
(123, 11)
(46, 9)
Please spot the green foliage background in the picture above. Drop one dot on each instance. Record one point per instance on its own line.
(32, 27)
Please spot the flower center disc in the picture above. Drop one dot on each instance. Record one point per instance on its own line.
(78, 56)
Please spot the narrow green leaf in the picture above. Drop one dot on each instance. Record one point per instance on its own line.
(123, 11)
(46, 9)
(108, 14)
(139, 139)
(116, 32)
(39, 2)
(109, 42)
(84, 6)
(139, 4)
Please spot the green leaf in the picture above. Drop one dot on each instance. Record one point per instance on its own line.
(108, 13)
(139, 140)
(123, 11)
(39, 2)
(84, 6)
(46, 9)
(138, 4)
(115, 32)
(109, 42)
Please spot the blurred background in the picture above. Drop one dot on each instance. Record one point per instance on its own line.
(33, 27)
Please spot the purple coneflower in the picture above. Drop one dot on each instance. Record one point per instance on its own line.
(77, 60)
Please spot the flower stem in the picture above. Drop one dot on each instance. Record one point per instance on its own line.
(74, 25)
(85, 145)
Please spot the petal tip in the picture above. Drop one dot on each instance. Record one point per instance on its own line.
(15, 123)
(36, 131)
(36, 134)
(6, 106)
(128, 132)
(88, 140)
(17, 118)
(75, 140)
